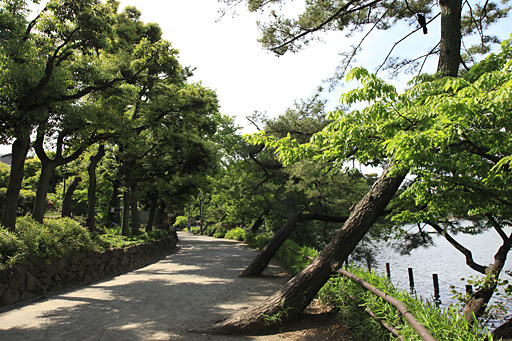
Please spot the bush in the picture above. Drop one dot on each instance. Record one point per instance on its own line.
(55, 238)
(236, 234)
(33, 241)
(195, 230)
(61, 237)
(25, 201)
(257, 241)
(181, 222)
(112, 238)
(292, 261)
(220, 232)
(11, 247)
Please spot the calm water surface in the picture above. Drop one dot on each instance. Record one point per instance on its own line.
(445, 261)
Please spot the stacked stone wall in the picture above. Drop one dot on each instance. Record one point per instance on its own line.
(27, 281)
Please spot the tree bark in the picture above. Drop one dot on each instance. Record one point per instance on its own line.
(449, 49)
(296, 295)
(257, 224)
(66, 202)
(125, 230)
(91, 191)
(134, 210)
(263, 258)
(47, 168)
(114, 205)
(477, 304)
(152, 211)
(20, 149)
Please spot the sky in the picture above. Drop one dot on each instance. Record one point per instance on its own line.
(229, 59)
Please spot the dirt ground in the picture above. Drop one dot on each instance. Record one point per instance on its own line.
(190, 289)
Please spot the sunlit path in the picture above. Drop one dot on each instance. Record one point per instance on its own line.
(191, 288)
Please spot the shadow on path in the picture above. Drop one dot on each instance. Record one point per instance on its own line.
(189, 289)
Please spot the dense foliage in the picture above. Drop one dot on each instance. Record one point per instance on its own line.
(35, 242)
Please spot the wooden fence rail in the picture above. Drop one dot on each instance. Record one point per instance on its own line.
(402, 309)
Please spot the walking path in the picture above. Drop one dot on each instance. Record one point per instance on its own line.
(189, 289)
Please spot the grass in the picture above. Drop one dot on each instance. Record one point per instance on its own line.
(351, 300)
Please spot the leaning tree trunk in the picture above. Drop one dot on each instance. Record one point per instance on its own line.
(296, 295)
(20, 149)
(261, 261)
(477, 304)
(66, 202)
(91, 191)
(257, 224)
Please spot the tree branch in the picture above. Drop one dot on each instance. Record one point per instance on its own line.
(467, 253)
(325, 22)
(497, 227)
(401, 40)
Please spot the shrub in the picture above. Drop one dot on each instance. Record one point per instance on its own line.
(257, 241)
(11, 247)
(236, 234)
(55, 238)
(181, 222)
(26, 201)
(71, 238)
(294, 261)
(220, 232)
(112, 238)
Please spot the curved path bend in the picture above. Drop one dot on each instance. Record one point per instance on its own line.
(189, 289)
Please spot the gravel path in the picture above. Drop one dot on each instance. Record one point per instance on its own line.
(189, 289)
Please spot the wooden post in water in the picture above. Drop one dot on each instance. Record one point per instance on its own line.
(368, 262)
(411, 279)
(388, 271)
(435, 279)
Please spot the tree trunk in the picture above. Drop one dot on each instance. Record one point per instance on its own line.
(152, 211)
(66, 202)
(125, 231)
(20, 149)
(91, 191)
(449, 49)
(477, 304)
(257, 224)
(47, 169)
(189, 224)
(114, 205)
(161, 216)
(261, 261)
(296, 295)
(134, 210)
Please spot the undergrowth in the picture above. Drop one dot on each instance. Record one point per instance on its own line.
(63, 237)
(351, 299)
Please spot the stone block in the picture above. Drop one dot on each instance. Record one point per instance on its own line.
(10, 296)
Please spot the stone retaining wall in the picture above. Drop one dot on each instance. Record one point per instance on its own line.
(26, 281)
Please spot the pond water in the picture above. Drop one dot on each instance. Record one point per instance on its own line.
(445, 261)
